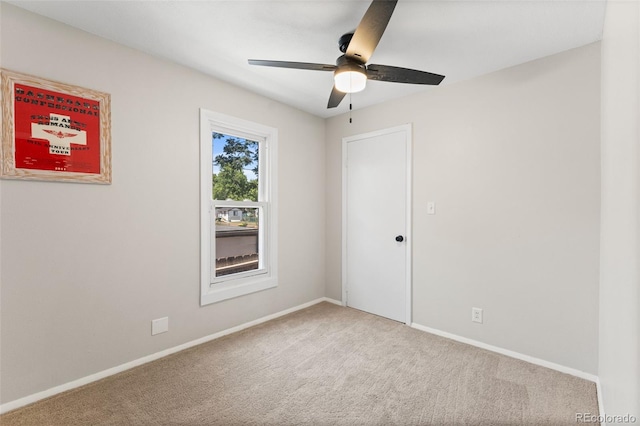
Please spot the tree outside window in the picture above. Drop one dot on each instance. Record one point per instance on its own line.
(236, 162)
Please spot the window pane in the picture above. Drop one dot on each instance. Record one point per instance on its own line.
(235, 168)
(237, 239)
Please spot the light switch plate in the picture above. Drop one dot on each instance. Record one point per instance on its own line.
(431, 207)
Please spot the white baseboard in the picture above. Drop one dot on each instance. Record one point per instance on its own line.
(334, 301)
(512, 354)
(12, 405)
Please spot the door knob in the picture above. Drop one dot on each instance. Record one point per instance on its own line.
(399, 238)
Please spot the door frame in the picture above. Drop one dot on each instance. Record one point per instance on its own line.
(406, 128)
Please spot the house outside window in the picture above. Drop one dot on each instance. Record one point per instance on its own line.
(238, 207)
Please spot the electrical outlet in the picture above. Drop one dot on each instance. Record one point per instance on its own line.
(476, 315)
(160, 325)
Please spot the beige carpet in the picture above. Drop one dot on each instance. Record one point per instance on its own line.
(325, 365)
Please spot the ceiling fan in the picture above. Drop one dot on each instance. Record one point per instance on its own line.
(350, 71)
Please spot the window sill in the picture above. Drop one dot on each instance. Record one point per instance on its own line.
(220, 292)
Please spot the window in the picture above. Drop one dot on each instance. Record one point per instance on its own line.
(237, 207)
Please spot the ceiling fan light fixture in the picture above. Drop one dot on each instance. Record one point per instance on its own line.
(350, 81)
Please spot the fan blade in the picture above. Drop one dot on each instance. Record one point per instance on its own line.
(335, 98)
(402, 75)
(370, 30)
(296, 65)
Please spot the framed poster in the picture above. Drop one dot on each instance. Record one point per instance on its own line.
(54, 131)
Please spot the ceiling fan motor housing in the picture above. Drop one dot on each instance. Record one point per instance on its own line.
(348, 64)
(344, 41)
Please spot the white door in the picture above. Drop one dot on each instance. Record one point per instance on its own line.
(376, 223)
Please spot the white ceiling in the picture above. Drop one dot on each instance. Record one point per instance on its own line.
(459, 39)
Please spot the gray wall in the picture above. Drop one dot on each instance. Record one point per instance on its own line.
(85, 268)
(619, 367)
(512, 160)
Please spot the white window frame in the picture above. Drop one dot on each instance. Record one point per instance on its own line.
(214, 289)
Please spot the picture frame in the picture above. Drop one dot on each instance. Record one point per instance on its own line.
(53, 131)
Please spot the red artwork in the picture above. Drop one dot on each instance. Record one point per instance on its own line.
(56, 131)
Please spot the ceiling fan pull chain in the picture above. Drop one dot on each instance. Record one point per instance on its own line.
(350, 108)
